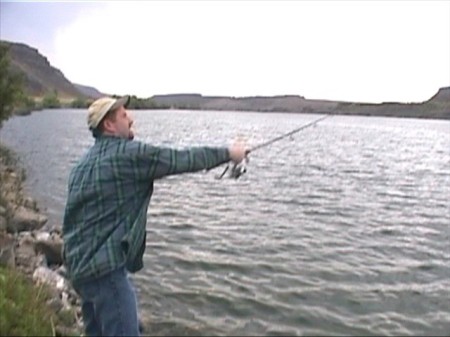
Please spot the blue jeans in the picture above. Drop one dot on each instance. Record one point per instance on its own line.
(109, 305)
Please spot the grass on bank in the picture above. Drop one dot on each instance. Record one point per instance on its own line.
(7, 156)
(23, 307)
(10, 159)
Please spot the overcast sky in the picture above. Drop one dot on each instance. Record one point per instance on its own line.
(365, 51)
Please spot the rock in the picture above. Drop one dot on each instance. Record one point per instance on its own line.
(42, 236)
(48, 276)
(13, 175)
(7, 250)
(3, 224)
(52, 249)
(61, 330)
(55, 304)
(11, 197)
(24, 237)
(56, 231)
(30, 203)
(25, 219)
(61, 270)
(2, 211)
(65, 300)
(26, 257)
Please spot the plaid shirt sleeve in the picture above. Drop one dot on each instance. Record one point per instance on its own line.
(151, 162)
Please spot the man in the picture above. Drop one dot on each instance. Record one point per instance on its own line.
(104, 226)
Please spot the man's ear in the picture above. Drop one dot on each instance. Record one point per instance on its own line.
(108, 125)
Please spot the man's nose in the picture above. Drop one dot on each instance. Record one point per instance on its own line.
(130, 118)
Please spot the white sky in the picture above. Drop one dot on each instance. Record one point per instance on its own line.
(365, 51)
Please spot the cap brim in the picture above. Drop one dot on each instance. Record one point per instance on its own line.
(123, 101)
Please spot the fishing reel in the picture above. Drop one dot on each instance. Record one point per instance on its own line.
(236, 169)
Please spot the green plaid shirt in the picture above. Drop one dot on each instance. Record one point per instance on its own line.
(109, 192)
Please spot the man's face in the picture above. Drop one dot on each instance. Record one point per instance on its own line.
(121, 124)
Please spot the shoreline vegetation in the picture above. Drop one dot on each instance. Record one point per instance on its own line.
(438, 107)
(35, 297)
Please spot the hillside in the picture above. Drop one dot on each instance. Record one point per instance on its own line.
(42, 78)
(437, 107)
(89, 91)
(259, 103)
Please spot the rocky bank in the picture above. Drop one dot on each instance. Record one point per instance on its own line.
(28, 246)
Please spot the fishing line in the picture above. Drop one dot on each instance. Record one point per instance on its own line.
(238, 169)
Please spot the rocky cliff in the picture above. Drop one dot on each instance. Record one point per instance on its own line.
(41, 78)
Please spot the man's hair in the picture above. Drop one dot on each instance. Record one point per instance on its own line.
(100, 129)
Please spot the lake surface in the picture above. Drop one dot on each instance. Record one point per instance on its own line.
(342, 229)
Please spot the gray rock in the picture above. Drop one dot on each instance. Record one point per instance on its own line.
(7, 250)
(30, 203)
(51, 278)
(11, 197)
(52, 249)
(40, 236)
(61, 330)
(25, 236)
(25, 219)
(26, 257)
(56, 231)
(3, 224)
(55, 304)
(2, 211)
(61, 270)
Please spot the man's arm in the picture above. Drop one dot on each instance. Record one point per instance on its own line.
(151, 162)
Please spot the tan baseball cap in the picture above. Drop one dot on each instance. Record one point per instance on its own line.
(101, 107)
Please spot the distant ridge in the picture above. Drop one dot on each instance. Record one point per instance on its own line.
(90, 92)
(42, 78)
(443, 95)
(436, 107)
(287, 103)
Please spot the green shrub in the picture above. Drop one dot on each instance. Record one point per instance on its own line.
(7, 156)
(23, 308)
(80, 103)
(51, 101)
(10, 85)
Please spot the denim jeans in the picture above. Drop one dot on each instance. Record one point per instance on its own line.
(109, 305)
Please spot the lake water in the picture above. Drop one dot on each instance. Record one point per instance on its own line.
(342, 229)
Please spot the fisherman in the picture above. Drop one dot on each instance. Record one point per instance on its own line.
(104, 226)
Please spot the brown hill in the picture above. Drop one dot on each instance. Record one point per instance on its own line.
(41, 78)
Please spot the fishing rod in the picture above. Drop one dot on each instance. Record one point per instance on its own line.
(238, 169)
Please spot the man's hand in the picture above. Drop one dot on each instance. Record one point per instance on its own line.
(238, 151)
